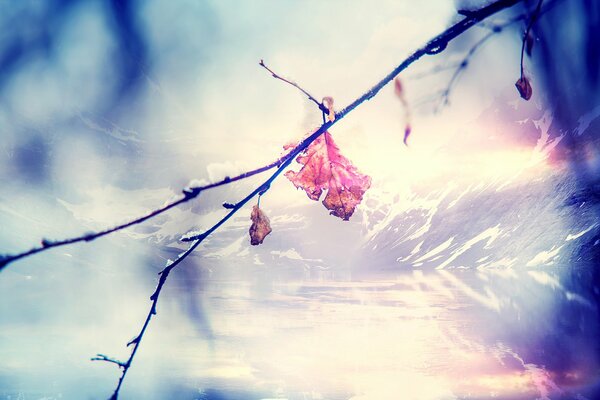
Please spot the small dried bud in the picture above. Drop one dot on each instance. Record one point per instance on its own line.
(524, 88)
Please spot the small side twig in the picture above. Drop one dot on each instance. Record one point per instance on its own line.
(102, 357)
(463, 65)
(294, 84)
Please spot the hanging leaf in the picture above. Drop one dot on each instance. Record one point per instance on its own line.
(328, 103)
(524, 87)
(324, 168)
(260, 227)
(399, 90)
(407, 130)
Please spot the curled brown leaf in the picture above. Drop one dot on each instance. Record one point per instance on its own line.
(260, 227)
(399, 90)
(524, 87)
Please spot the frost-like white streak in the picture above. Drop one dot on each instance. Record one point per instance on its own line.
(123, 135)
(281, 222)
(396, 207)
(460, 196)
(501, 268)
(580, 234)
(539, 376)
(544, 145)
(437, 250)
(292, 254)
(542, 149)
(257, 260)
(489, 299)
(218, 171)
(544, 257)
(490, 234)
(584, 121)
(5, 209)
(432, 209)
(197, 183)
(412, 253)
(545, 279)
(108, 205)
(238, 248)
(579, 299)
(191, 234)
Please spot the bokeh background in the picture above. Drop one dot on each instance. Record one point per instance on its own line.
(468, 272)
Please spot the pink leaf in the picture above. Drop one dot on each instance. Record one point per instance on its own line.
(324, 168)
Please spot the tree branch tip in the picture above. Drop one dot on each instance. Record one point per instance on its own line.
(228, 206)
(102, 357)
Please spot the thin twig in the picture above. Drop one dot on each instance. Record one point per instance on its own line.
(463, 65)
(532, 20)
(102, 357)
(445, 97)
(435, 46)
(188, 194)
(432, 71)
(294, 84)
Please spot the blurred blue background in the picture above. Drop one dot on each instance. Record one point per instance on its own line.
(469, 271)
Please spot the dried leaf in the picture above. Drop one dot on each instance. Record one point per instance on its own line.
(328, 103)
(324, 168)
(399, 90)
(260, 227)
(407, 130)
(524, 87)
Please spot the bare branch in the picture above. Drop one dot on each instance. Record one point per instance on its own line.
(433, 47)
(188, 194)
(294, 84)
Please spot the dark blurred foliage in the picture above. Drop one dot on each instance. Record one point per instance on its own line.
(34, 31)
(566, 66)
